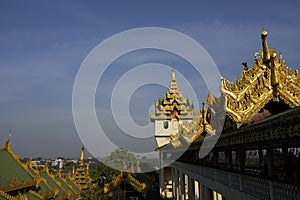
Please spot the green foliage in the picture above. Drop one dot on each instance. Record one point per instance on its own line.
(120, 158)
(116, 159)
(103, 170)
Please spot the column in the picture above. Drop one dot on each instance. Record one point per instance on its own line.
(161, 175)
(215, 195)
(197, 190)
(176, 185)
(219, 196)
(191, 189)
(173, 183)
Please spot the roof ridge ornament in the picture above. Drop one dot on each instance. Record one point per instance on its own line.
(266, 53)
(268, 80)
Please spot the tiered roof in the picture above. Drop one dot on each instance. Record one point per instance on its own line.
(19, 181)
(80, 175)
(268, 82)
(173, 106)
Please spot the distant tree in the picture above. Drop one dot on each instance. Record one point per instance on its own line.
(103, 171)
(119, 159)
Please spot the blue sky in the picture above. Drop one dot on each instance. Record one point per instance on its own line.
(43, 43)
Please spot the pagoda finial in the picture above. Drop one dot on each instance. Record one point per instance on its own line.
(266, 53)
(173, 74)
(81, 160)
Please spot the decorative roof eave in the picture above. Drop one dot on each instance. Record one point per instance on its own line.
(191, 131)
(268, 79)
(123, 176)
(36, 195)
(137, 185)
(51, 176)
(66, 183)
(15, 185)
(9, 197)
(114, 183)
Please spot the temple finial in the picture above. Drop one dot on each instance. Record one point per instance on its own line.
(266, 53)
(81, 160)
(173, 73)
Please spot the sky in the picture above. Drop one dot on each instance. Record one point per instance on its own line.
(43, 44)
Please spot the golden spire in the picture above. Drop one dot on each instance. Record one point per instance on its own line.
(266, 53)
(73, 171)
(173, 74)
(81, 160)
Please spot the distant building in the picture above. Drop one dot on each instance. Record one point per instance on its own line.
(80, 174)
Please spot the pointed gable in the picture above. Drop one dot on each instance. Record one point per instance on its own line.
(269, 80)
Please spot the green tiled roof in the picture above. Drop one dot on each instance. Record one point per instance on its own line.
(53, 184)
(42, 188)
(10, 168)
(63, 184)
(72, 184)
(31, 197)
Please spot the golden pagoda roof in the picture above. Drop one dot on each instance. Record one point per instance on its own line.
(268, 80)
(21, 178)
(173, 106)
(14, 175)
(80, 175)
(128, 178)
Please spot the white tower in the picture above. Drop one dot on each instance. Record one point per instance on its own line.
(169, 112)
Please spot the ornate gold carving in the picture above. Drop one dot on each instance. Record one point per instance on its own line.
(80, 175)
(7, 146)
(268, 79)
(191, 131)
(126, 177)
(36, 194)
(173, 106)
(7, 196)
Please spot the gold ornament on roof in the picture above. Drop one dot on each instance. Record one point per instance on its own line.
(268, 80)
(191, 131)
